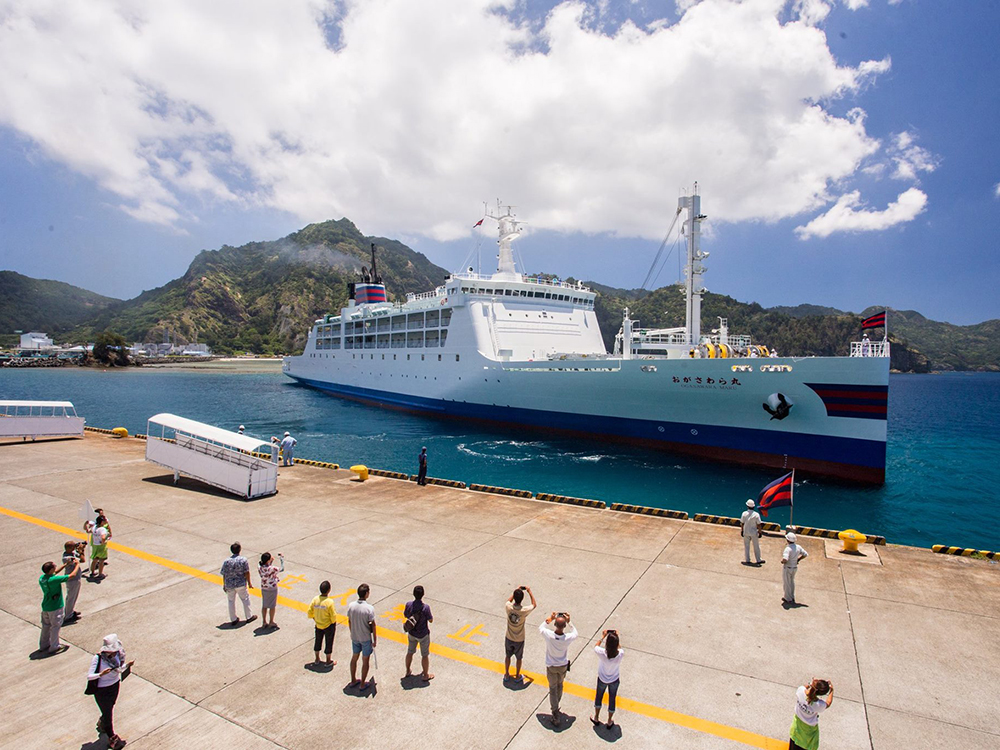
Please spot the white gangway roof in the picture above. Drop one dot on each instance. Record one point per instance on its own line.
(68, 404)
(207, 431)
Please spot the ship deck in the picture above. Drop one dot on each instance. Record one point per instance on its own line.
(712, 658)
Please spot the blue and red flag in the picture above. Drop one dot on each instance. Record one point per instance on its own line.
(875, 321)
(775, 495)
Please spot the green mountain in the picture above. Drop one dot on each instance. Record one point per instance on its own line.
(55, 307)
(263, 296)
(948, 346)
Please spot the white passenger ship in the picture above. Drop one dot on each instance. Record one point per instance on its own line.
(513, 349)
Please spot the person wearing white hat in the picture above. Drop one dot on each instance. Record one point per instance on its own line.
(242, 429)
(790, 562)
(107, 670)
(750, 522)
(288, 444)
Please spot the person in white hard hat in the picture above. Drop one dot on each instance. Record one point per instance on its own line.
(242, 429)
(750, 521)
(288, 444)
(790, 560)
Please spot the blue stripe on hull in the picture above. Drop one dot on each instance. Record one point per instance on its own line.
(868, 454)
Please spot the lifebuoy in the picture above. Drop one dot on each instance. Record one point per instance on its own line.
(444, 301)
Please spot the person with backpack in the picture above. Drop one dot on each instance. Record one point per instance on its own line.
(608, 675)
(107, 670)
(418, 618)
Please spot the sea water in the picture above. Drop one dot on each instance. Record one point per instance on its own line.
(941, 475)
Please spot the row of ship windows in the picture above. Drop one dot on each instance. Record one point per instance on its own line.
(423, 357)
(411, 322)
(419, 340)
(585, 302)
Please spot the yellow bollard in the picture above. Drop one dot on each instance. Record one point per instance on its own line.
(120, 432)
(361, 470)
(851, 540)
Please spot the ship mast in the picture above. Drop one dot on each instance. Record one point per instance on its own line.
(509, 230)
(694, 270)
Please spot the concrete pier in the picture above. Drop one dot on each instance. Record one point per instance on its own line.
(712, 659)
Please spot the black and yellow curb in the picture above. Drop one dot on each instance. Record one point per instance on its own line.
(499, 490)
(661, 512)
(389, 474)
(318, 464)
(570, 500)
(966, 552)
(442, 482)
(829, 534)
(721, 520)
(98, 429)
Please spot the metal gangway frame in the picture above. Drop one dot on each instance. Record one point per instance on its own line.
(217, 457)
(35, 419)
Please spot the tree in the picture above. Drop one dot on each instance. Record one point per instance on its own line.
(110, 348)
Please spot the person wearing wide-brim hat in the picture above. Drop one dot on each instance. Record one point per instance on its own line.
(107, 669)
(750, 523)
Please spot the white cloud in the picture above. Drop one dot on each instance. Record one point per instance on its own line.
(847, 215)
(910, 158)
(855, 4)
(415, 111)
(996, 190)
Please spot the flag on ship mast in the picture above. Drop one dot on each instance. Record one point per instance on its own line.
(478, 223)
(875, 321)
(777, 494)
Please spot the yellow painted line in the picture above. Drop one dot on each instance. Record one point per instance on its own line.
(644, 709)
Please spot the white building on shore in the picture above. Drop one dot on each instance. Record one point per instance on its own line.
(36, 340)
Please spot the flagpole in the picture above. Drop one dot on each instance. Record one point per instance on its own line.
(791, 513)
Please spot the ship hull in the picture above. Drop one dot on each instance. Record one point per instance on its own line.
(835, 429)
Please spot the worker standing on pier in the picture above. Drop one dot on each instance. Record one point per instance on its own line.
(750, 521)
(790, 560)
(422, 467)
(288, 444)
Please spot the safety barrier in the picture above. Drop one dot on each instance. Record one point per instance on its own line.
(828, 534)
(499, 490)
(98, 429)
(570, 500)
(966, 552)
(442, 482)
(389, 474)
(661, 512)
(722, 520)
(319, 464)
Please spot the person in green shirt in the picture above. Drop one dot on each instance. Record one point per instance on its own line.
(52, 604)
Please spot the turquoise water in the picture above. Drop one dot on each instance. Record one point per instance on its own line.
(944, 445)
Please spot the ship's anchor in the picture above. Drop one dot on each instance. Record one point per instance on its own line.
(777, 406)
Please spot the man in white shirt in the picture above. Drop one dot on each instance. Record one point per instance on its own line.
(288, 444)
(750, 521)
(557, 641)
(790, 562)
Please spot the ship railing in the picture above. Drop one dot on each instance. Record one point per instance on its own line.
(659, 337)
(739, 341)
(869, 348)
(412, 297)
(468, 276)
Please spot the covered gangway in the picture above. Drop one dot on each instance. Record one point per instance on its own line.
(223, 459)
(35, 419)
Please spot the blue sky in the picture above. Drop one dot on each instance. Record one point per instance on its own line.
(846, 151)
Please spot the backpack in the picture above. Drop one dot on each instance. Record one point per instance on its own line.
(411, 622)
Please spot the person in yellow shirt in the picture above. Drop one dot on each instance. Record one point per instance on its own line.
(323, 613)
